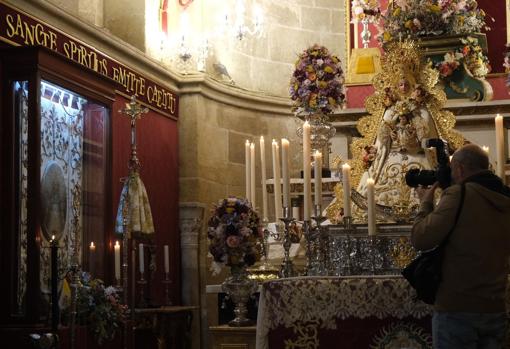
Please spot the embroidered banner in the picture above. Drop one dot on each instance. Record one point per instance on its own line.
(18, 29)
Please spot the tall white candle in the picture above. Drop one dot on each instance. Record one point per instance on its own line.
(92, 257)
(277, 181)
(500, 147)
(247, 168)
(295, 213)
(307, 190)
(317, 174)
(346, 180)
(371, 207)
(167, 261)
(285, 173)
(263, 180)
(140, 255)
(252, 175)
(116, 250)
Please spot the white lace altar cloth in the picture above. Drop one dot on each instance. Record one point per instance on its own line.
(292, 302)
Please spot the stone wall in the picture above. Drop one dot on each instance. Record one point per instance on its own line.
(263, 63)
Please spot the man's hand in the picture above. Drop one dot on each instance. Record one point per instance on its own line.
(426, 194)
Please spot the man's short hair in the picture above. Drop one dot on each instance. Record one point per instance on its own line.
(472, 157)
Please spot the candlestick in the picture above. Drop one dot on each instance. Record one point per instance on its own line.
(55, 311)
(247, 169)
(277, 181)
(307, 191)
(285, 173)
(167, 282)
(252, 175)
(167, 261)
(263, 180)
(346, 181)
(371, 207)
(287, 267)
(500, 147)
(318, 177)
(140, 255)
(116, 250)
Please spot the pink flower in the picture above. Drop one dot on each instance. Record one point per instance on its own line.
(233, 241)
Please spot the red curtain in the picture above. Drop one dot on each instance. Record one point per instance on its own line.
(157, 150)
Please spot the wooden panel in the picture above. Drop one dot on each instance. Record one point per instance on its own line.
(226, 337)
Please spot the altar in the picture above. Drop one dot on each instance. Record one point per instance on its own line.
(346, 312)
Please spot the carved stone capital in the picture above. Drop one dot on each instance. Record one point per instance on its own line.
(191, 216)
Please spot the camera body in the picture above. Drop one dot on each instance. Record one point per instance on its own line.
(441, 174)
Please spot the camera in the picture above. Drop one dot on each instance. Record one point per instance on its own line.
(441, 174)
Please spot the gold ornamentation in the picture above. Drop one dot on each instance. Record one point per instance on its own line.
(406, 83)
(402, 335)
(402, 253)
(457, 88)
(307, 336)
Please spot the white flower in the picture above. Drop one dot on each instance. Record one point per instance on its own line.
(215, 268)
(110, 290)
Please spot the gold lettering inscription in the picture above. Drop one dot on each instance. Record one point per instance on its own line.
(31, 34)
(132, 83)
(161, 98)
(38, 34)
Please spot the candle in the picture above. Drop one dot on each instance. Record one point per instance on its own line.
(295, 213)
(285, 173)
(263, 180)
(167, 262)
(307, 190)
(252, 175)
(486, 149)
(277, 181)
(371, 207)
(346, 180)
(247, 168)
(92, 253)
(318, 177)
(116, 250)
(500, 147)
(140, 255)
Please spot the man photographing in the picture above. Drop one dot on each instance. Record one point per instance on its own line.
(469, 311)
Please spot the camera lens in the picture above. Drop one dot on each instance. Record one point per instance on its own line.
(415, 177)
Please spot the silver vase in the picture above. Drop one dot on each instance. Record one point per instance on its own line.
(239, 288)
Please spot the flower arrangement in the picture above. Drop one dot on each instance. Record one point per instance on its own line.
(99, 308)
(317, 83)
(414, 18)
(470, 54)
(365, 9)
(234, 233)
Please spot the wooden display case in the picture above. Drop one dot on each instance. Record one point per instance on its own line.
(55, 157)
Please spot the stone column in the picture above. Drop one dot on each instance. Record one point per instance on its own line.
(191, 217)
